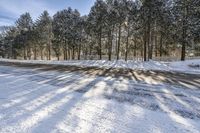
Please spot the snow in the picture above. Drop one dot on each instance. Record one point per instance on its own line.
(186, 66)
(180, 66)
(33, 101)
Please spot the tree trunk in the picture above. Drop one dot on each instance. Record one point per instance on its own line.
(25, 53)
(68, 54)
(25, 38)
(49, 51)
(141, 53)
(58, 57)
(183, 51)
(41, 53)
(149, 40)
(73, 50)
(156, 47)
(90, 51)
(100, 54)
(135, 47)
(119, 40)
(79, 50)
(86, 53)
(65, 50)
(151, 44)
(64, 54)
(35, 52)
(109, 45)
(127, 45)
(116, 43)
(145, 45)
(29, 53)
(161, 43)
(184, 36)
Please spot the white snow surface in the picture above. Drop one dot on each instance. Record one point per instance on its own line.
(180, 66)
(35, 101)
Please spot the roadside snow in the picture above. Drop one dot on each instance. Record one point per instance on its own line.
(33, 101)
(186, 66)
(181, 66)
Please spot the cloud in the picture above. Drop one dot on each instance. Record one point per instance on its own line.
(18, 7)
(6, 17)
(10, 10)
(6, 20)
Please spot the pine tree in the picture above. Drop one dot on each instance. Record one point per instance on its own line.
(24, 25)
(44, 26)
(144, 28)
(184, 17)
(96, 19)
(121, 13)
(130, 24)
(57, 39)
(111, 21)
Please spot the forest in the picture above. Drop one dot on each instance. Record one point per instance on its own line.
(113, 30)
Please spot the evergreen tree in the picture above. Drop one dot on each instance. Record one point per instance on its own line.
(140, 28)
(96, 19)
(111, 21)
(44, 27)
(130, 25)
(24, 25)
(121, 13)
(57, 39)
(184, 11)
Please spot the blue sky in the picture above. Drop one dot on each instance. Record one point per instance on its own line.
(10, 10)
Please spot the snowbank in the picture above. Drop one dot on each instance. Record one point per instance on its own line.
(180, 66)
(189, 65)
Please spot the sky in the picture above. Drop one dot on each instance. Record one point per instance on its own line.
(10, 10)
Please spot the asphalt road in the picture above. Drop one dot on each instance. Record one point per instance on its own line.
(48, 98)
(151, 77)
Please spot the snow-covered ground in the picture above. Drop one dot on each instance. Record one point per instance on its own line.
(181, 66)
(37, 101)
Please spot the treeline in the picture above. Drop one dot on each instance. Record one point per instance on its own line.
(113, 29)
